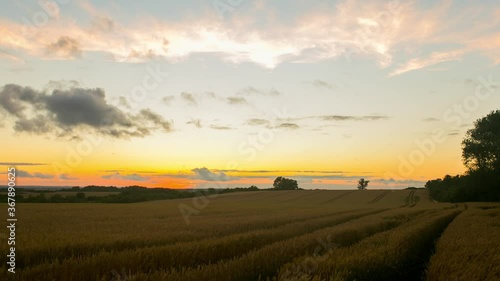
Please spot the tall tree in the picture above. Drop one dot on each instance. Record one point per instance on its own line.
(281, 183)
(481, 145)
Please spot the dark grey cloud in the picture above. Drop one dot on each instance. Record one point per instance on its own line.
(206, 174)
(257, 122)
(66, 112)
(195, 122)
(236, 100)
(37, 125)
(290, 126)
(260, 92)
(21, 164)
(14, 99)
(132, 177)
(65, 46)
(25, 174)
(189, 98)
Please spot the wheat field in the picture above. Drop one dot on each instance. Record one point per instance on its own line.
(280, 235)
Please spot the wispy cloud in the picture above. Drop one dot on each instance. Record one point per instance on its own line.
(168, 99)
(322, 84)
(64, 47)
(195, 122)
(430, 119)
(219, 127)
(67, 177)
(21, 164)
(189, 98)
(236, 100)
(289, 126)
(25, 174)
(257, 122)
(375, 29)
(434, 58)
(132, 177)
(352, 118)
(262, 92)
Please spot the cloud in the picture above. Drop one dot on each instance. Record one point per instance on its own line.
(257, 122)
(157, 120)
(378, 30)
(206, 174)
(392, 181)
(64, 47)
(430, 119)
(25, 174)
(219, 127)
(67, 177)
(352, 118)
(102, 24)
(323, 84)
(236, 100)
(73, 111)
(249, 91)
(122, 101)
(290, 126)
(195, 122)
(21, 164)
(189, 98)
(434, 58)
(132, 177)
(168, 99)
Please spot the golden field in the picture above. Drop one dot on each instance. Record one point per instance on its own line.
(262, 235)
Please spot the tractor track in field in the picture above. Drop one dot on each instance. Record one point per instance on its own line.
(409, 199)
(338, 197)
(412, 200)
(378, 198)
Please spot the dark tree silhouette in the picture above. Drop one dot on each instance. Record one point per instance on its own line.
(362, 184)
(481, 155)
(281, 183)
(481, 145)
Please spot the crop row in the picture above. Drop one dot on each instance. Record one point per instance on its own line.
(469, 248)
(265, 261)
(397, 254)
(179, 255)
(60, 248)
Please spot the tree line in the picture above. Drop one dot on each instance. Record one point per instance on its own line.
(481, 156)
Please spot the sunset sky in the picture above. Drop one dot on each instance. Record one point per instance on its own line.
(231, 93)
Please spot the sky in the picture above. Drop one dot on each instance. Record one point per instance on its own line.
(226, 93)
